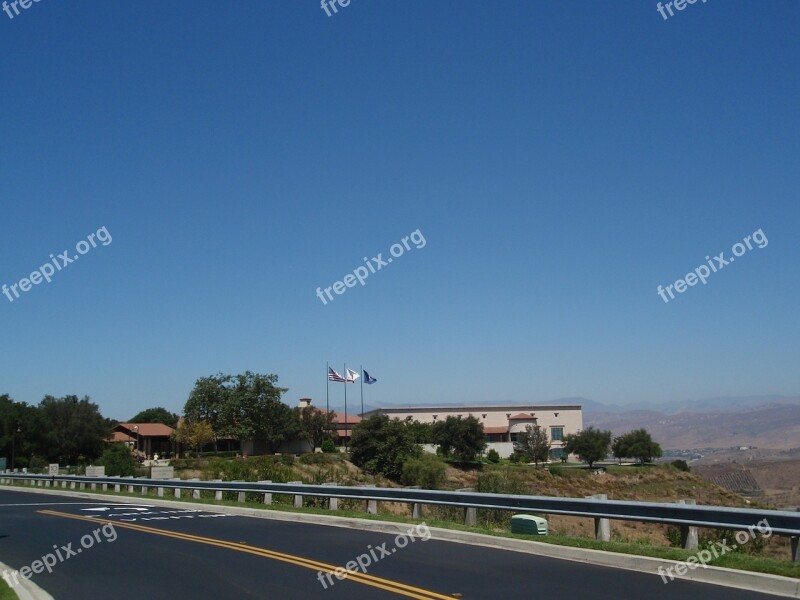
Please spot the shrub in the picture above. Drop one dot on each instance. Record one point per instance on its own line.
(427, 471)
(118, 460)
(382, 445)
(328, 446)
(680, 465)
(492, 456)
(317, 459)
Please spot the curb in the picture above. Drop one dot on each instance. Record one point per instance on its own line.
(745, 580)
(26, 590)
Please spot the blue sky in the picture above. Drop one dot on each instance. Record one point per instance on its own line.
(562, 160)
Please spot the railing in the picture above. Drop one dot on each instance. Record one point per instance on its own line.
(685, 514)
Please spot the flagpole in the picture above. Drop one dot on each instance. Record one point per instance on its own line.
(345, 408)
(327, 402)
(362, 391)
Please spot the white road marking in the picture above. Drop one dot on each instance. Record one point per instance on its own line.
(59, 504)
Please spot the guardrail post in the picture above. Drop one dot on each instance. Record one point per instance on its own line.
(602, 526)
(217, 493)
(105, 487)
(689, 539)
(795, 543)
(83, 485)
(130, 488)
(298, 499)
(267, 495)
(145, 490)
(46, 483)
(470, 513)
(241, 496)
(160, 492)
(195, 493)
(117, 486)
(64, 484)
(333, 503)
(72, 485)
(416, 507)
(177, 489)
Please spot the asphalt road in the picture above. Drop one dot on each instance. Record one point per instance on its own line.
(154, 553)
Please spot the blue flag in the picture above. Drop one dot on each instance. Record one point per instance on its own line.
(368, 379)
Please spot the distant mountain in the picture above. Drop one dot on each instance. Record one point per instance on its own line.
(722, 403)
(775, 426)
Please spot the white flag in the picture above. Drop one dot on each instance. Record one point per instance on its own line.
(352, 376)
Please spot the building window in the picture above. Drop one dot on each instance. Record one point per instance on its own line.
(556, 434)
(556, 453)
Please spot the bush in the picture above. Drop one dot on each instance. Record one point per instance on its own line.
(328, 446)
(382, 445)
(37, 464)
(427, 471)
(680, 465)
(225, 454)
(317, 459)
(118, 461)
(492, 456)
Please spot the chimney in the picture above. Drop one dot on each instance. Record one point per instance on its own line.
(304, 402)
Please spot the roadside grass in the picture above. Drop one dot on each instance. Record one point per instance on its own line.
(6, 592)
(743, 562)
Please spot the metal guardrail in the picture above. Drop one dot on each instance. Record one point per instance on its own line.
(684, 515)
(781, 522)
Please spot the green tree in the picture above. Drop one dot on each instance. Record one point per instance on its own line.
(534, 444)
(118, 460)
(493, 456)
(315, 424)
(156, 415)
(382, 445)
(421, 432)
(194, 434)
(244, 407)
(590, 445)
(460, 438)
(636, 444)
(72, 428)
(21, 431)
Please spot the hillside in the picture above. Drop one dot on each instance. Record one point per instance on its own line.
(774, 426)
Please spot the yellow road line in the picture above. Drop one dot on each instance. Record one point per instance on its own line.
(378, 582)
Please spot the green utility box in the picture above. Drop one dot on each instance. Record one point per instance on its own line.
(529, 525)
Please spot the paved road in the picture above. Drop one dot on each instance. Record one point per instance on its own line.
(155, 553)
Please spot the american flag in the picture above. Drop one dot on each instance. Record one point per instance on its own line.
(334, 376)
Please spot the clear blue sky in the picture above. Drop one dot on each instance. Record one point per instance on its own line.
(561, 159)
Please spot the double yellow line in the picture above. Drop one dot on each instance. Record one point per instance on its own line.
(370, 580)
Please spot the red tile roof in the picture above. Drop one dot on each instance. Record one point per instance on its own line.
(351, 418)
(147, 429)
(522, 417)
(489, 430)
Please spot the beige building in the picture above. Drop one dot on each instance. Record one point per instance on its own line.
(502, 424)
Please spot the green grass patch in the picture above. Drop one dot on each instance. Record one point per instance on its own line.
(5, 591)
